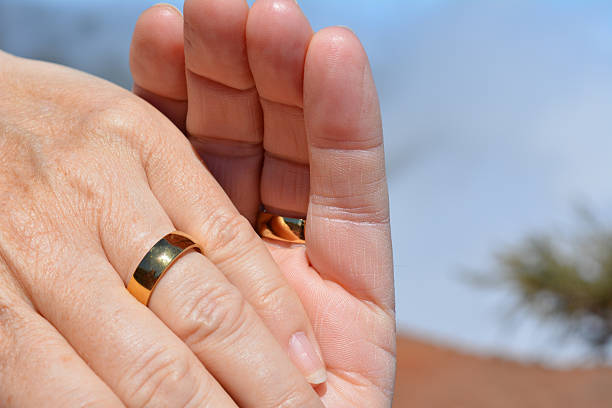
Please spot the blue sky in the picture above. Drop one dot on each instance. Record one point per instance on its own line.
(497, 122)
(505, 115)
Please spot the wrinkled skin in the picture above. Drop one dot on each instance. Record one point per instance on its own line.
(303, 107)
(91, 177)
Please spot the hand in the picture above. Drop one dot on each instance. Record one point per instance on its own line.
(91, 177)
(255, 88)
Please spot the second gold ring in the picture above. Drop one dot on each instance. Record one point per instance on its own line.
(279, 228)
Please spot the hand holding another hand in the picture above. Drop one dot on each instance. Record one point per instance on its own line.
(91, 177)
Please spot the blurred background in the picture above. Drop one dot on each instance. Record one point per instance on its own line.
(498, 126)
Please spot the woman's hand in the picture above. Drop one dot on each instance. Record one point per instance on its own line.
(290, 119)
(91, 177)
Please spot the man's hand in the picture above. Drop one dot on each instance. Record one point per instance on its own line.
(91, 177)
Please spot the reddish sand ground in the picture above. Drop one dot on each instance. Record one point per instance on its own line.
(435, 377)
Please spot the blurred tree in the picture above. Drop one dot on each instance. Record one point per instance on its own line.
(565, 280)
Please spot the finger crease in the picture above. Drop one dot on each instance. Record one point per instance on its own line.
(287, 160)
(288, 105)
(224, 147)
(219, 84)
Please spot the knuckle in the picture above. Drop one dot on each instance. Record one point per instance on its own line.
(342, 210)
(218, 313)
(365, 201)
(202, 396)
(116, 115)
(359, 205)
(227, 233)
(88, 178)
(277, 297)
(159, 376)
(124, 121)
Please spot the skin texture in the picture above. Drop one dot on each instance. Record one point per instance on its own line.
(290, 119)
(91, 177)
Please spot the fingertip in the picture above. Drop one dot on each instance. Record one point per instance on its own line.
(335, 54)
(306, 358)
(215, 41)
(168, 8)
(340, 99)
(340, 41)
(157, 58)
(278, 35)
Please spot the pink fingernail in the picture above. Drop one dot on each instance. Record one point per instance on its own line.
(306, 358)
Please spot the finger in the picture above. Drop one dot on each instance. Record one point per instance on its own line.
(131, 349)
(224, 118)
(38, 367)
(74, 287)
(197, 205)
(213, 318)
(208, 313)
(278, 35)
(348, 236)
(157, 61)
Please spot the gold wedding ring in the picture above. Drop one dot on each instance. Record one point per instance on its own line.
(279, 228)
(157, 261)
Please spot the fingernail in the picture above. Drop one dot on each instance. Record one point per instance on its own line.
(306, 358)
(169, 6)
